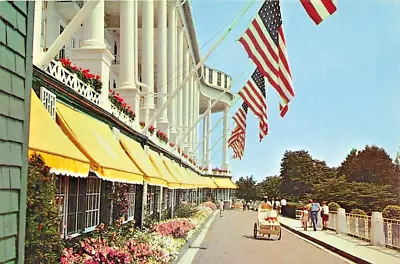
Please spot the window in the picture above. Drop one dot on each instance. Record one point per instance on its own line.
(219, 79)
(61, 55)
(204, 73)
(226, 82)
(75, 206)
(156, 198)
(61, 202)
(150, 199)
(132, 197)
(210, 75)
(92, 213)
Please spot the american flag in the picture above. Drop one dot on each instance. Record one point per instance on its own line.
(241, 116)
(264, 42)
(237, 143)
(318, 10)
(254, 95)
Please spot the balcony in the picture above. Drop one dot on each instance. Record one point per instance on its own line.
(69, 9)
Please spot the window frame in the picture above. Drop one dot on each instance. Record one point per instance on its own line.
(210, 76)
(226, 81)
(132, 204)
(92, 208)
(219, 78)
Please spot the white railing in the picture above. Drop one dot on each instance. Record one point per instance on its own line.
(332, 220)
(358, 226)
(391, 229)
(123, 117)
(56, 70)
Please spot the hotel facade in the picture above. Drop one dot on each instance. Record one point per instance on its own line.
(101, 72)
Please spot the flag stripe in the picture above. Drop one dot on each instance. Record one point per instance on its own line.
(319, 10)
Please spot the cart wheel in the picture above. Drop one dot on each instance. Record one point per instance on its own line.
(255, 231)
(269, 236)
(280, 234)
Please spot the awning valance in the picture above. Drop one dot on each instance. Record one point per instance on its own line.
(48, 140)
(224, 183)
(96, 140)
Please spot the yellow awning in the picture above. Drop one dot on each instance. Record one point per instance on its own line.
(210, 183)
(224, 183)
(190, 178)
(173, 182)
(96, 140)
(139, 156)
(186, 183)
(198, 178)
(48, 140)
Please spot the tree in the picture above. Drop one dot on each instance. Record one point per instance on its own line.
(371, 165)
(366, 196)
(299, 171)
(270, 186)
(247, 188)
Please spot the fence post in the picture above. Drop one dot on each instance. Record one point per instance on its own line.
(341, 221)
(377, 231)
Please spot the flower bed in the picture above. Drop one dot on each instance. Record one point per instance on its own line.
(123, 244)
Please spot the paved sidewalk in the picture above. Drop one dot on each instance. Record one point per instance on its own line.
(346, 244)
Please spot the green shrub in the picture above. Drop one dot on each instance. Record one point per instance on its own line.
(333, 206)
(358, 211)
(185, 210)
(392, 212)
(42, 242)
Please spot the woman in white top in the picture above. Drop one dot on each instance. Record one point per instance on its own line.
(325, 216)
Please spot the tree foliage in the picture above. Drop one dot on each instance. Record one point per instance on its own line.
(42, 242)
(247, 188)
(299, 171)
(270, 186)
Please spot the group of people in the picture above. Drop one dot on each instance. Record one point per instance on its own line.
(309, 215)
(276, 204)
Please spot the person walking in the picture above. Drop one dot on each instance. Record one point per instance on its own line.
(325, 215)
(283, 205)
(315, 208)
(304, 218)
(221, 207)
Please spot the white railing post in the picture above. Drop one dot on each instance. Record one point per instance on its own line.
(341, 221)
(377, 231)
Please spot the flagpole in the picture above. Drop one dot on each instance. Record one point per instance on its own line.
(195, 69)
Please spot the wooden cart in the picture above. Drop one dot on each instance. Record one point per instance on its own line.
(267, 224)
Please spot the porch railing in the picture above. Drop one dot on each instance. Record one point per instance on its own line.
(56, 70)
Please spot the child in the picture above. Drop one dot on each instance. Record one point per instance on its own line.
(325, 216)
(304, 217)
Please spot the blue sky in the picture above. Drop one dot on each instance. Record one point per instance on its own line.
(346, 75)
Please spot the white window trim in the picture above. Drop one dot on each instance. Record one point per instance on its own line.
(87, 210)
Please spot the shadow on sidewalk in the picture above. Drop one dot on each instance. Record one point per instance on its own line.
(260, 238)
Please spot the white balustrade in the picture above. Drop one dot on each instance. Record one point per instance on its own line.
(71, 80)
(123, 117)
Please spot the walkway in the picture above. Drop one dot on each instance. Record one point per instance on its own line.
(230, 240)
(349, 245)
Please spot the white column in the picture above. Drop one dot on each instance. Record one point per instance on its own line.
(148, 59)
(172, 69)
(341, 221)
(162, 122)
(127, 88)
(179, 66)
(160, 199)
(94, 27)
(195, 116)
(208, 136)
(94, 54)
(377, 229)
(185, 96)
(37, 31)
(225, 139)
(204, 160)
(190, 114)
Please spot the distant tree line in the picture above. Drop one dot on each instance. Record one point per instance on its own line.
(367, 179)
